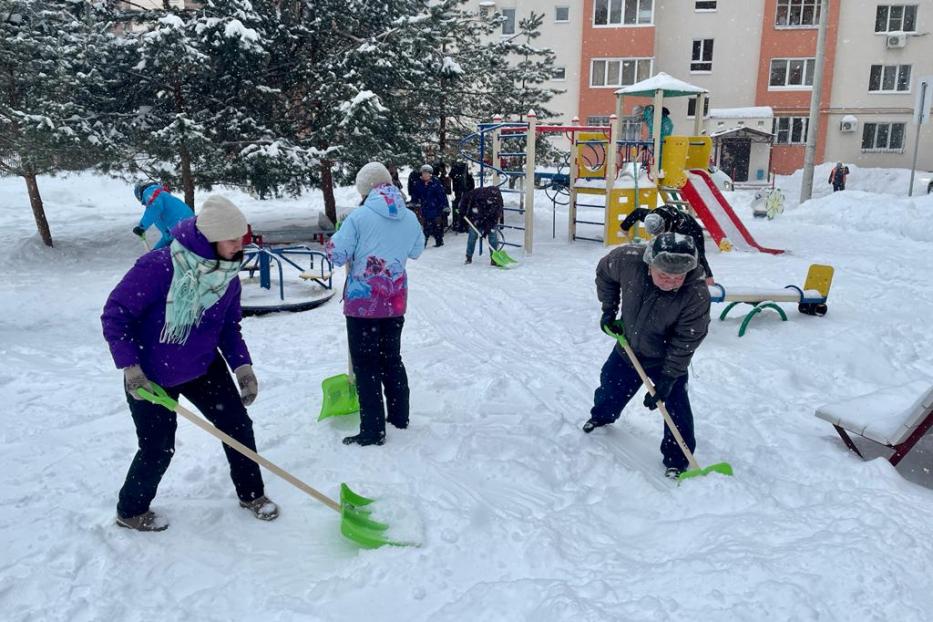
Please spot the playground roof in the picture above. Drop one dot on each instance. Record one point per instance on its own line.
(671, 86)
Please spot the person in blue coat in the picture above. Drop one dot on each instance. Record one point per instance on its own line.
(429, 193)
(162, 210)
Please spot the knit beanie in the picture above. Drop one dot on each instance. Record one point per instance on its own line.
(219, 219)
(370, 176)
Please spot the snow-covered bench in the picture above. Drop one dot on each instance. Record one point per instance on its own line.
(896, 417)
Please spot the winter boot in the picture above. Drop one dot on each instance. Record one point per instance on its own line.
(363, 441)
(673, 472)
(492, 262)
(262, 508)
(468, 260)
(438, 243)
(591, 425)
(401, 425)
(147, 521)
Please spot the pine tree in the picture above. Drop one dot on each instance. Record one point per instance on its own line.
(49, 55)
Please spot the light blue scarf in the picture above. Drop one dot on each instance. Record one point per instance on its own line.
(197, 284)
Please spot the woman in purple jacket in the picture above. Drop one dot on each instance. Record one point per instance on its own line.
(166, 321)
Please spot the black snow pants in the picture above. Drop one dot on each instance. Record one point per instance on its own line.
(375, 347)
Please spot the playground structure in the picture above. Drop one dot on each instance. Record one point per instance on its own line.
(811, 299)
(621, 171)
(302, 276)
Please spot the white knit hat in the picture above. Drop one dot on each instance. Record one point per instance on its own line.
(219, 219)
(370, 176)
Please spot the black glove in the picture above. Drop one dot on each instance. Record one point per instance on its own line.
(608, 321)
(139, 231)
(662, 390)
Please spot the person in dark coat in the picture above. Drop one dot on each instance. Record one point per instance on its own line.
(483, 208)
(668, 218)
(462, 182)
(174, 319)
(837, 176)
(429, 194)
(656, 295)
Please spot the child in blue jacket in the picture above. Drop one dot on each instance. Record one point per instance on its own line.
(162, 210)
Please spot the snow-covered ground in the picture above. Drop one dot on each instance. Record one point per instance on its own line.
(525, 517)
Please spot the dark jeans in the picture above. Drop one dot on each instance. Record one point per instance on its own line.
(618, 382)
(218, 398)
(375, 347)
(434, 227)
(838, 187)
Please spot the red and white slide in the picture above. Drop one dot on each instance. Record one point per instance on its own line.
(717, 215)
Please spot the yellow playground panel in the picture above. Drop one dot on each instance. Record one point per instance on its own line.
(682, 153)
(620, 204)
(591, 155)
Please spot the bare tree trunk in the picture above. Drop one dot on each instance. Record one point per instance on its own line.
(327, 187)
(35, 199)
(187, 180)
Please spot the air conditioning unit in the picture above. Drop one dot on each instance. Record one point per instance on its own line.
(898, 40)
(486, 8)
(848, 124)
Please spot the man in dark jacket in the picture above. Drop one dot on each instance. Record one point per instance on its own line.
(669, 218)
(837, 176)
(429, 194)
(665, 316)
(462, 182)
(483, 208)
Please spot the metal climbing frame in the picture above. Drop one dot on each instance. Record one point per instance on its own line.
(496, 131)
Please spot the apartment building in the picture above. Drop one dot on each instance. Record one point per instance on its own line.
(752, 55)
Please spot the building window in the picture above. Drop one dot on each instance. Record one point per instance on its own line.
(702, 57)
(622, 12)
(792, 72)
(889, 79)
(896, 18)
(508, 26)
(883, 137)
(791, 130)
(559, 73)
(798, 13)
(692, 107)
(705, 5)
(616, 72)
(597, 121)
(561, 14)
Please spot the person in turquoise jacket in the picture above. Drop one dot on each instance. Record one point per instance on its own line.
(162, 210)
(667, 126)
(376, 240)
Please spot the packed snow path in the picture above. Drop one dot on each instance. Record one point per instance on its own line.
(525, 516)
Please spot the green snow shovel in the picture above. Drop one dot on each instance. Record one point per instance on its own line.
(695, 469)
(340, 396)
(499, 256)
(356, 522)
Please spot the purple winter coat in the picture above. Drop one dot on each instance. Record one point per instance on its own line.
(135, 314)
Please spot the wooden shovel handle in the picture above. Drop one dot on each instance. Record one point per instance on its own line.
(252, 455)
(667, 417)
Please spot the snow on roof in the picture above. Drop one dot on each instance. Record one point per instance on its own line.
(671, 86)
(750, 112)
(740, 130)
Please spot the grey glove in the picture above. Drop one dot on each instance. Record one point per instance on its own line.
(249, 386)
(134, 379)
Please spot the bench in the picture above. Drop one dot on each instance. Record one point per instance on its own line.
(895, 417)
(321, 277)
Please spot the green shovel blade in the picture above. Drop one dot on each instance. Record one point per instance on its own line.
(340, 397)
(356, 523)
(502, 259)
(723, 468)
